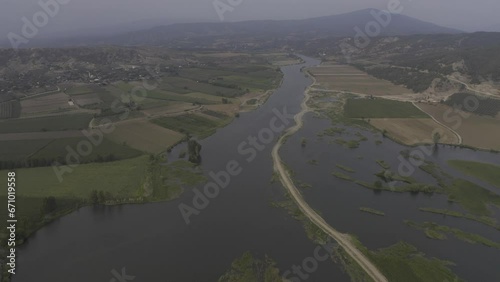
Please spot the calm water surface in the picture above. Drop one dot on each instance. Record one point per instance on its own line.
(153, 242)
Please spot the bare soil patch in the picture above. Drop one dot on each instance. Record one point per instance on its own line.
(411, 131)
(349, 79)
(477, 131)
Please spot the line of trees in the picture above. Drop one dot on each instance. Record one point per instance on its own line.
(100, 197)
(43, 162)
(194, 149)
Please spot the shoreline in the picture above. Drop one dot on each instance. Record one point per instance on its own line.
(343, 240)
(262, 99)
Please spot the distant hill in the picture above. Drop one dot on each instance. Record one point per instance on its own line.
(492, 28)
(342, 25)
(337, 26)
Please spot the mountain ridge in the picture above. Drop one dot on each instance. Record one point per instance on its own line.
(340, 25)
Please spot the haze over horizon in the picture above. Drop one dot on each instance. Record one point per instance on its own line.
(120, 15)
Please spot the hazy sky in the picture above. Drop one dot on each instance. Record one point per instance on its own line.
(83, 14)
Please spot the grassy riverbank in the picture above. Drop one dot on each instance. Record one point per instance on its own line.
(403, 262)
(372, 211)
(434, 231)
(248, 268)
(138, 180)
(490, 221)
(484, 171)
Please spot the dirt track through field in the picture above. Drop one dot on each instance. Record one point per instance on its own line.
(344, 240)
(460, 140)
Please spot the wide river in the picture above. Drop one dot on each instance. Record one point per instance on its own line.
(153, 242)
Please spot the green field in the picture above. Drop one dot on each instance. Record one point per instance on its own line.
(249, 77)
(472, 197)
(183, 86)
(169, 96)
(204, 73)
(486, 172)
(122, 178)
(129, 181)
(52, 123)
(47, 151)
(118, 179)
(435, 231)
(381, 108)
(57, 148)
(250, 269)
(403, 262)
(79, 90)
(20, 149)
(191, 124)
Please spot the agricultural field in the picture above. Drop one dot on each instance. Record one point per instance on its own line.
(123, 178)
(43, 152)
(169, 108)
(401, 121)
(20, 149)
(113, 118)
(78, 89)
(381, 108)
(471, 127)
(182, 85)
(160, 95)
(207, 97)
(48, 123)
(192, 124)
(86, 100)
(105, 150)
(228, 109)
(49, 104)
(10, 109)
(485, 106)
(89, 94)
(281, 59)
(40, 135)
(349, 79)
(129, 181)
(412, 131)
(144, 136)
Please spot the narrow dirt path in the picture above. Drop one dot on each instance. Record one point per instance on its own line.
(460, 140)
(472, 89)
(344, 240)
